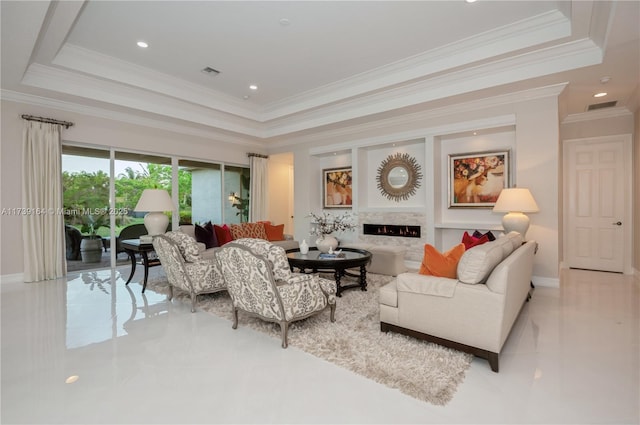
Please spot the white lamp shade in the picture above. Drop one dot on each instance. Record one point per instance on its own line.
(155, 201)
(516, 199)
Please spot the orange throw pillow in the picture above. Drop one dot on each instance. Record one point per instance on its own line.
(253, 230)
(440, 264)
(274, 233)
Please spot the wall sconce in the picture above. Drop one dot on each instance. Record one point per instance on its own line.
(234, 199)
(515, 202)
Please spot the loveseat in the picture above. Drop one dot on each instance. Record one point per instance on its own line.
(473, 313)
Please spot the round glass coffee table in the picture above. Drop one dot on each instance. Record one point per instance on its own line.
(350, 258)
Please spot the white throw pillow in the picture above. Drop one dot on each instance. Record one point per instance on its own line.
(477, 263)
(515, 238)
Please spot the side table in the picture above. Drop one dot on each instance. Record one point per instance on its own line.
(133, 246)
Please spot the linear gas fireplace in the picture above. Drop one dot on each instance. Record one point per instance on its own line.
(402, 231)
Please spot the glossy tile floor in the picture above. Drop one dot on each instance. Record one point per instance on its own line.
(88, 350)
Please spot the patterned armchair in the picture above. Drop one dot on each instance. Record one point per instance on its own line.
(185, 269)
(260, 283)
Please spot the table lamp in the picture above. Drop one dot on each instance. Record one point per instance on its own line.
(516, 201)
(155, 202)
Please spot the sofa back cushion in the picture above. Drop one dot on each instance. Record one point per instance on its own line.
(477, 263)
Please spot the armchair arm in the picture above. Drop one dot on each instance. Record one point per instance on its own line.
(205, 275)
(301, 298)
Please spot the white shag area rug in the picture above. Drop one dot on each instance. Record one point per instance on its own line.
(354, 341)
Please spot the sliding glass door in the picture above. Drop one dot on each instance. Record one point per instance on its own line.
(204, 192)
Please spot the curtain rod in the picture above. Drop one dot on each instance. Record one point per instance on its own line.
(258, 155)
(66, 124)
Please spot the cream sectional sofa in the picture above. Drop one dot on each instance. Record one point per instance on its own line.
(473, 313)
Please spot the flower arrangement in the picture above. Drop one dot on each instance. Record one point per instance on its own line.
(327, 223)
(470, 168)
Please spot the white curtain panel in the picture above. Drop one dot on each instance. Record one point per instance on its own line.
(258, 192)
(43, 221)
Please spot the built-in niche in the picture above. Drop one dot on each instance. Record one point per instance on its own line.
(450, 223)
(393, 175)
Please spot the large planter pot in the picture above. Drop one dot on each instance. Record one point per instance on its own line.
(91, 250)
(325, 243)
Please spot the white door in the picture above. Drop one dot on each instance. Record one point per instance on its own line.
(597, 192)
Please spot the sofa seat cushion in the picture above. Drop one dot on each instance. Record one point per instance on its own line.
(389, 294)
(477, 263)
(426, 285)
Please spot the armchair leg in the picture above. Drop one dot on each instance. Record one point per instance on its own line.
(333, 312)
(235, 318)
(170, 296)
(284, 328)
(193, 303)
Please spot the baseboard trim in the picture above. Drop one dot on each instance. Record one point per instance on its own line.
(12, 278)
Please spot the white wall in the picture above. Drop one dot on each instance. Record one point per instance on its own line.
(280, 187)
(535, 163)
(93, 131)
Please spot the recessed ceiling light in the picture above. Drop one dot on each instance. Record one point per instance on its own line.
(245, 97)
(71, 379)
(601, 94)
(142, 44)
(284, 22)
(470, 1)
(253, 87)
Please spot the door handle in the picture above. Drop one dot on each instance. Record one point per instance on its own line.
(617, 223)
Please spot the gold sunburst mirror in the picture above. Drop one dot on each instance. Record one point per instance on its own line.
(399, 176)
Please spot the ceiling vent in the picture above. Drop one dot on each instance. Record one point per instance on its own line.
(602, 105)
(211, 71)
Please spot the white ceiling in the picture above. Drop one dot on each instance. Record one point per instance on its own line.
(333, 64)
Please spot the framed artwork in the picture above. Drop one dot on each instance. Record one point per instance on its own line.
(476, 179)
(336, 188)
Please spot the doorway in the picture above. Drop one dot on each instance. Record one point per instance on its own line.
(597, 203)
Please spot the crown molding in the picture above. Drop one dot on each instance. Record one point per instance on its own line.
(460, 109)
(421, 133)
(550, 60)
(84, 86)
(110, 68)
(91, 111)
(526, 33)
(599, 114)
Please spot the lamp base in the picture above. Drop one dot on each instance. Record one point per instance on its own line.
(156, 223)
(515, 221)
